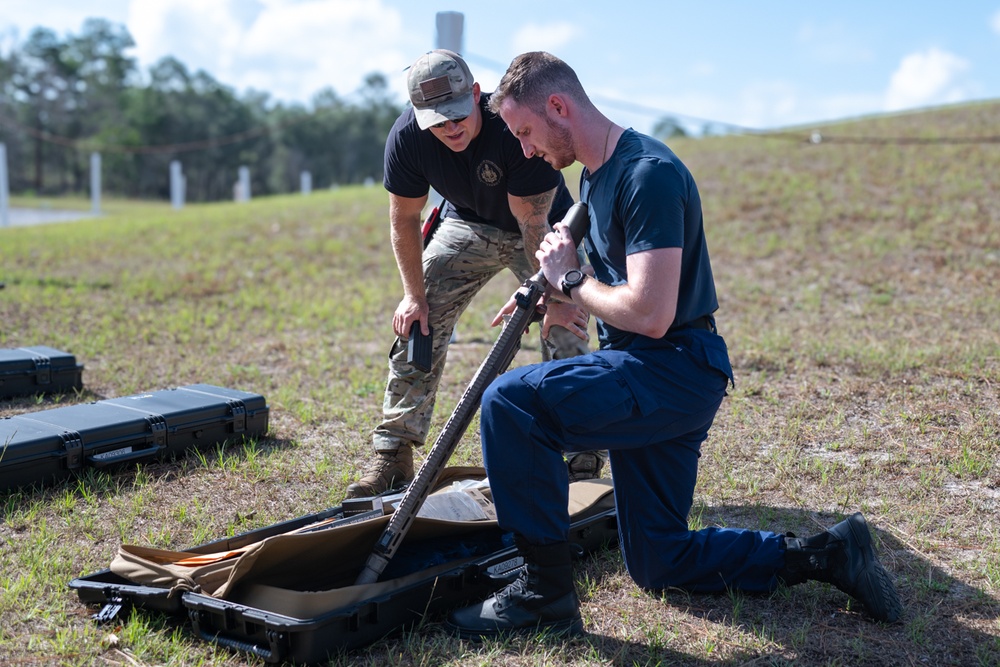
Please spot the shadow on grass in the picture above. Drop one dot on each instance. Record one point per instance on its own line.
(945, 621)
(25, 403)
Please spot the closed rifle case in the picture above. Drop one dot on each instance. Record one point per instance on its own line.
(29, 371)
(46, 446)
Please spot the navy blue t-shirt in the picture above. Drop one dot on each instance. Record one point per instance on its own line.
(476, 181)
(644, 198)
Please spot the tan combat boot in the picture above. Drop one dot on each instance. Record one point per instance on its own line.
(388, 470)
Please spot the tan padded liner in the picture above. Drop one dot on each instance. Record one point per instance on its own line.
(264, 574)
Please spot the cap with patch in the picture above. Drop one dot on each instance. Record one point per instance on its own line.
(440, 88)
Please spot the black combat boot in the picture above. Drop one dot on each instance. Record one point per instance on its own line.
(542, 598)
(843, 556)
(585, 465)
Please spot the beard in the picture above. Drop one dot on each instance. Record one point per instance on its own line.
(561, 152)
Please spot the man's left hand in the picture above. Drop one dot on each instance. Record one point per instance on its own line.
(567, 315)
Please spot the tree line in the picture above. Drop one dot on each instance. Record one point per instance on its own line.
(63, 98)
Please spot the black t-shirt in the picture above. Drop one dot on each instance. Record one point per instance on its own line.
(476, 181)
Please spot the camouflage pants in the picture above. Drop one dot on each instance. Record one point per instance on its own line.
(460, 259)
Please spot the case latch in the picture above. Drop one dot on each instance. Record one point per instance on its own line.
(43, 370)
(115, 606)
(73, 444)
(158, 430)
(239, 411)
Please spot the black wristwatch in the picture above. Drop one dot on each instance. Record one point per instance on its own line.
(572, 279)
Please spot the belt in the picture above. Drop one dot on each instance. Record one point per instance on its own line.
(703, 322)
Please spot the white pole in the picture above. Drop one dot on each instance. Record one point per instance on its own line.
(449, 31)
(95, 183)
(4, 192)
(244, 184)
(305, 182)
(176, 185)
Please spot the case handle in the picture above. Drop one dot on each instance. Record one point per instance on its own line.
(124, 455)
(239, 645)
(277, 640)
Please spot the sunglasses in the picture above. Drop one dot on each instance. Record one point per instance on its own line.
(438, 126)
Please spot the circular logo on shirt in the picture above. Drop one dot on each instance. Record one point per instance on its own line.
(489, 173)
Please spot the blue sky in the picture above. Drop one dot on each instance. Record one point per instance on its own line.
(751, 64)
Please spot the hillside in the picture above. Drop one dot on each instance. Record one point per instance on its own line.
(857, 281)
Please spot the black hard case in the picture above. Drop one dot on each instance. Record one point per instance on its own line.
(26, 371)
(48, 445)
(277, 638)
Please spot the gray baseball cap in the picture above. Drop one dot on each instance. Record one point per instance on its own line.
(440, 86)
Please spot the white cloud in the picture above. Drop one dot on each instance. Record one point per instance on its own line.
(995, 22)
(551, 37)
(927, 78)
(833, 43)
(291, 49)
(199, 34)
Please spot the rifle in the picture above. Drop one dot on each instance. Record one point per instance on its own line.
(496, 362)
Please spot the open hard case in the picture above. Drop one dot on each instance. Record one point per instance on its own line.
(26, 371)
(287, 592)
(48, 445)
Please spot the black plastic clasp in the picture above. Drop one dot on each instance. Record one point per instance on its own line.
(157, 425)
(73, 445)
(239, 412)
(43, 370)
(115, 606)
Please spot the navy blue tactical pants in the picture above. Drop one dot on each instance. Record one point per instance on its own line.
(651, 409)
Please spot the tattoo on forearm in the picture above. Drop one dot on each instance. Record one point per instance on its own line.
(532, 239)
(539, 204)
(536, 223)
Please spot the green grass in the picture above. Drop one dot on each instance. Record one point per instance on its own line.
(858, 297)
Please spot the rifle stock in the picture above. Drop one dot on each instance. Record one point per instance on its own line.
(496, 362)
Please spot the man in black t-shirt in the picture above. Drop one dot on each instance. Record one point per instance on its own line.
(499, 204)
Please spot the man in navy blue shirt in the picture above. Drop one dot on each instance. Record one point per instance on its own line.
(649, 395)
(498, 206)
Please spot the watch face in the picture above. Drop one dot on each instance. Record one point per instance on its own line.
(572, 279)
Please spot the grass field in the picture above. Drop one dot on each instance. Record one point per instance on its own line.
(859, 298)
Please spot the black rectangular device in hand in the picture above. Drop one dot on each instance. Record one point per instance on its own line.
(418, 351)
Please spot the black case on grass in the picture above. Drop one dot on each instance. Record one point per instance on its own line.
(276, 637)
(26, 371)
(49, 445)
